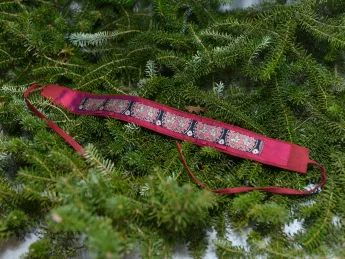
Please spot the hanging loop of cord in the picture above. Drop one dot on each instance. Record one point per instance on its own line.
(233, 190)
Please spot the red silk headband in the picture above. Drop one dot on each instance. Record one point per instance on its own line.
(184, 126)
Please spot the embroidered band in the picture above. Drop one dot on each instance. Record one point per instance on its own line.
(184, 126)
(178, 124)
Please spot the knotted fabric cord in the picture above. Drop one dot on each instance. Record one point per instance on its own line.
(184, 126)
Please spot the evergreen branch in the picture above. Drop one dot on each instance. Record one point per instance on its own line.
(12, 29)
(284, 110)
(47, 69)
(318, 75)
(334, 126)
(96, 39)
(100, 50)
(137, 50)
(51, 79)
(289, 255)
(102, 67)
(90, 82)
(243, 118)
(225, 106)
(323, 35)
(60, 63)
(324, 96)
(112, 85)
(151, 69)
(9, 60)
(262, 45)
(219, 36)
(78, 202)
(112, 23)
(100, 78)
(38, 177)
(15, 89)
(41, 163)
(278, 52)
(9, 2)
(319, 22)
(9, 14)
(223, 244)
(22, 6)
(300, 125)
(198, 40)
(92, 157)
(9, 193)
(232, 22)
(6, 53)
(22, 72)
(172, 57)
(70, 161)
(159, 7)
(325, 221)
(127, 16)
(44, 2)
(131, 67)
(47, 103)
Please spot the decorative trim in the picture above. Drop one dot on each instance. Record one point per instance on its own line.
(176, 123)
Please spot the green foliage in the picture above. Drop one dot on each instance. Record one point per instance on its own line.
(269, 213)
(39, 250)
(15, 223)
(274, 69)
(247, 201)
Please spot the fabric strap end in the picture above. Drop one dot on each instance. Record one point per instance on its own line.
(298, 159)
(271, 189)
(52, 92)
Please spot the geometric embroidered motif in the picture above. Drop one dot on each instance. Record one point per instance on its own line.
(144, 112)
(241, 142)
(116, 105)
(208, 132)
(93, 105)
(175, 123)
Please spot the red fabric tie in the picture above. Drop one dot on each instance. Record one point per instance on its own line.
(51, 124)
(276, 190)
(184, 126)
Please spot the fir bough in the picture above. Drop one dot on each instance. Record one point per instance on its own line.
(274, 69)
